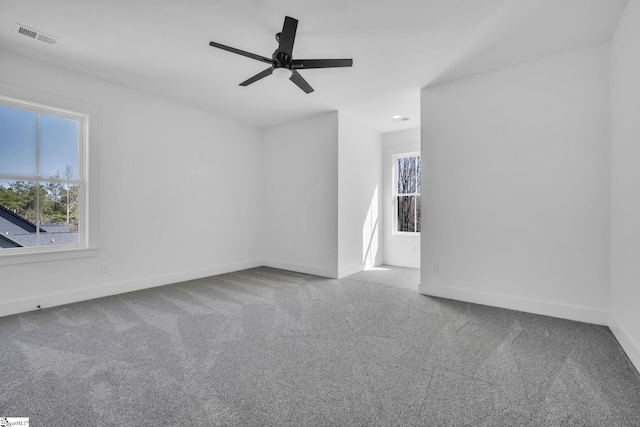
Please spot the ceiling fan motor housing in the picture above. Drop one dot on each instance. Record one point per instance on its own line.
(281, 59)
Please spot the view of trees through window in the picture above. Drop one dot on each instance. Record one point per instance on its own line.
(55, 202)
(39, 178)
(408, 194)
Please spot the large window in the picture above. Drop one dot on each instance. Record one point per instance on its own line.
(407, 193)
(42, 177)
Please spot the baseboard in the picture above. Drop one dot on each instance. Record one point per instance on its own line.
(301, 268)
(626, 341)
(581, 314)
(52, 300)
(399, 262)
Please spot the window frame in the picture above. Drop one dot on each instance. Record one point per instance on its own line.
(53, 105)
(395, 194)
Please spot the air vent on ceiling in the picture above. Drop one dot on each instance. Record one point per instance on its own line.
(35, 34)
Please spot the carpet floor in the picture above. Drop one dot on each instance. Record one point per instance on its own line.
(266, 347)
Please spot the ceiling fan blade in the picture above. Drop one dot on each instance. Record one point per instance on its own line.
(320, 63)
(300, 82)
(288, 35)
(241, 52)
(260, 75)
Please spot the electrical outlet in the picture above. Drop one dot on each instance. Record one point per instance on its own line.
(105, 268)
(435, 268)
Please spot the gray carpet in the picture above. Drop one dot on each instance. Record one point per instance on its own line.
(270, 347)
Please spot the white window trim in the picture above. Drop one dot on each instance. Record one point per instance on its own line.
(395, 194)
(45, 102)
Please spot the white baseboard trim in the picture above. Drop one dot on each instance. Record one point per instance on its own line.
(626, 341)
(580, 314)
(399, 262)
(68, 297)
(301, 268)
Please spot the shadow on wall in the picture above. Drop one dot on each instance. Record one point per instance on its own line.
(370, 233)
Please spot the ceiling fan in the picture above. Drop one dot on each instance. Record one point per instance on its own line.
(281, 62)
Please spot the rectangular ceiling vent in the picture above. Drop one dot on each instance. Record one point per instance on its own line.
(35, 34)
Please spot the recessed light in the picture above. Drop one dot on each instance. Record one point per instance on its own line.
(399, 118)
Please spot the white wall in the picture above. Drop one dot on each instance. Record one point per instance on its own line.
(625, 182)
(402, 250)
(322, 177)
(516, 187)
(300, 195)
(177, 194)
(359, 188)
(185, 194)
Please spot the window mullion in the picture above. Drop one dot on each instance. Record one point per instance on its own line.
(33, 178)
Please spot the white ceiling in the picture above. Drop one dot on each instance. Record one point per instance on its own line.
(398, 47)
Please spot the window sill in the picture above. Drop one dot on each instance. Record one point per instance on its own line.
(49, 255)
(404, 236)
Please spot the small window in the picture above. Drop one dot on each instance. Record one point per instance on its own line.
(42, 177)
(407, 193)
